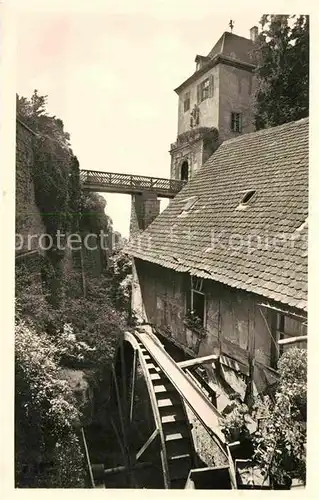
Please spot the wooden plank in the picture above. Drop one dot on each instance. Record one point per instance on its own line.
(134, 368)
(87, 456)
(123, 468)
(147, 444)
(293, 340)
(197, 361)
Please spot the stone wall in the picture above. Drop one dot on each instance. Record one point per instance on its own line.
(195, 147)
(145, 207)
(28, 218)
(235, 95)
(208, 109)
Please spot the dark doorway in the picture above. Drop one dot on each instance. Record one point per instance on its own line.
(184, 171)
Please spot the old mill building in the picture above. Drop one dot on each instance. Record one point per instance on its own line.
(223, 269)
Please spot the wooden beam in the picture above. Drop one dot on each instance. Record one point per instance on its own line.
(123, 468)
(147, 444)
(293, 340)
(197, 361)
(87, 456)
(134, 368)
(284, 311)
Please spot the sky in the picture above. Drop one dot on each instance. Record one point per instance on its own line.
(109, 69)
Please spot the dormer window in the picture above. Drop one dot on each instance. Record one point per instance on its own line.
(248, 197)
(188, 204)
(187, 101)
(201, 61)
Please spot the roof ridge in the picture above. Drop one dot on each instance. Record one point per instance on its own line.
(238, 36)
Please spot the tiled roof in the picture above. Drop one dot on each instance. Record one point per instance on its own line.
(217, 240)
(234, 46)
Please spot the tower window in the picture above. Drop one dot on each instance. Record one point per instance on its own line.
(236, 122)
(187, 101)
(204, 90)
(184, 171)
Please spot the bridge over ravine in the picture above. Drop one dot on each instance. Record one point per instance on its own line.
(111, 182)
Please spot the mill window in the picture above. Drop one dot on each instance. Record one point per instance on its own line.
(287, 328)
(198, 302)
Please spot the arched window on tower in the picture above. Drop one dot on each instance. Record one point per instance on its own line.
(184, 171)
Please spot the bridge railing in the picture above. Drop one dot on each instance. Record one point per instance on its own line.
(130, 181)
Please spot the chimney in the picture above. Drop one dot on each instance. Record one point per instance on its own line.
(253, 33)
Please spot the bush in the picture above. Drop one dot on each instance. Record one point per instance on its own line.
(45, 411)
(280, 444)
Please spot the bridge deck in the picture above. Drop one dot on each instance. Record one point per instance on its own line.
(110, 182)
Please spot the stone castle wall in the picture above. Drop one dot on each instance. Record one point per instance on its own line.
(28, 217)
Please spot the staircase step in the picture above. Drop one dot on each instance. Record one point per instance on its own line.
(163, 388)
(167, 399)
(155, 377)
(177, 447)
(152, 368)
(173, 415)
(175, 430)
(179, 467)
(159, 381)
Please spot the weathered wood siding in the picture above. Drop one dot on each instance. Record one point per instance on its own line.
(236, 325)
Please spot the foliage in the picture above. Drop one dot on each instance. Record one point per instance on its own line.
(195, 323)
(99, 327)
(234, 424)
(280, 444)
(93, 216)
(80, 333)
(282, 53)
(74, 194)
(120, 275)
(44, 409)
(55, 169)
(34, 114)
(56, 326)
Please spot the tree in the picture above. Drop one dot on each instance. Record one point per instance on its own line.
(280, 443)
(92, 213)
(282, 72)
(33, 112)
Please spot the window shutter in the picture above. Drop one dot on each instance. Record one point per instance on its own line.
(198, 94)
(240, 122)
(211, 86)
(232, 124)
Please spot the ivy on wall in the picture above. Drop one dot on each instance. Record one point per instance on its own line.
(55, 170)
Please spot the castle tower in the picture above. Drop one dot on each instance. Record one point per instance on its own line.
(215, 103)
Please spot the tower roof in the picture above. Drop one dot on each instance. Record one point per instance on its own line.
(237, 47)
(230, 49)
